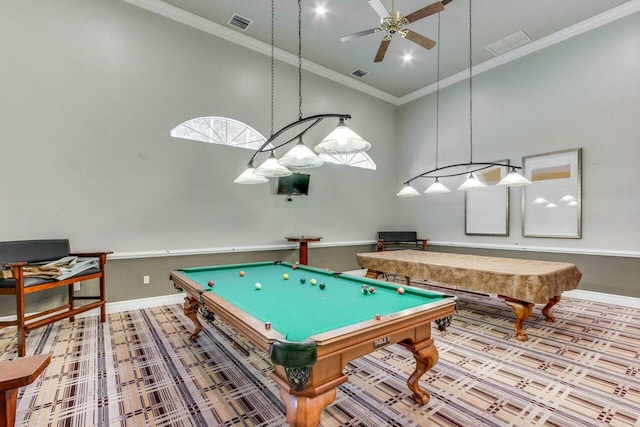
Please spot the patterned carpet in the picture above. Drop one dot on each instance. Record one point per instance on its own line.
(141, 369)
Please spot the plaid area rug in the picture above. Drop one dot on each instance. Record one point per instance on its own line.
(141, 369)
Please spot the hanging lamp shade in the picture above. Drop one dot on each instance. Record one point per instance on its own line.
(249, 176)
(301, 157)
(271, 168)
(342, 140)
(513, 179)
(474, 181)
(408, 191)
(437, 188)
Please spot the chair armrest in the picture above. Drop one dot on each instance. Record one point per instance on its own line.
(14, 264)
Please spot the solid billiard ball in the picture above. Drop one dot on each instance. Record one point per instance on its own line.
(401, 290)
(295, 266)
(211, 283)
(372, 290)
(258, 286)
(312, 281)
(303, 280)
(285, 276)
(322, 285)
(241, 273)
(364, 291)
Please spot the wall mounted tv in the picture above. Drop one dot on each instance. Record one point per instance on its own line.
(296, 184)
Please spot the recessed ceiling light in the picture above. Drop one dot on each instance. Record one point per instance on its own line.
(321, 10)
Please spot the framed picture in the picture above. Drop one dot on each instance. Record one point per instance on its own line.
(486, 211)
(551, 205)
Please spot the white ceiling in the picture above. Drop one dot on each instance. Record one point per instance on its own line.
(542, 20)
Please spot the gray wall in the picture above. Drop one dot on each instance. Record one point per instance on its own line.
(583, 92)
(91, 90)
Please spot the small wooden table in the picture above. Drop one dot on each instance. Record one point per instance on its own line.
(304, 246)
(13, 375)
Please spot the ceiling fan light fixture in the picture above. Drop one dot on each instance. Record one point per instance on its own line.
(342, 140)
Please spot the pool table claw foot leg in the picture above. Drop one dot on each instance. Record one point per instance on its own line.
(522, 310)
(546, 311)
(426, 355)
(305, 411)
(190, 310)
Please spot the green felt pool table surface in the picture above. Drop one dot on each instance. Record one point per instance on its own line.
(301, 310)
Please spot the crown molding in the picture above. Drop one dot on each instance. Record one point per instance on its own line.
(592, 23)
(205, 25)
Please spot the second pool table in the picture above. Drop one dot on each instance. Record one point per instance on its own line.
(312, 331)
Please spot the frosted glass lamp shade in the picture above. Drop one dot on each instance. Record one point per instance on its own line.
(473, 182)
(514, 179)
(249, 177)
(342, 140)
(437, 188)
(301, 157)
(271, 168)
(408, 191)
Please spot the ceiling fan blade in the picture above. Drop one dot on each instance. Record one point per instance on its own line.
(358, 34)
(423, 41)
(446, 2)
(380, 9)
(425, 11)
(382, 50)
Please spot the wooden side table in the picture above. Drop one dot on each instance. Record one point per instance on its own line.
(13, 375)
(304, 246)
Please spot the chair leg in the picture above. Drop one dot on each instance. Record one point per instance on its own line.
(21, 330)
(103, 298)
(71, 300)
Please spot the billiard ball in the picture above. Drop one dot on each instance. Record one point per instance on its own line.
(295, 266)
(258, 286)
(322, 285)
(303, 280)
(241, 273)
(401, 290)
(364, 291)
(312, 281)
(285, 276)
(372, 290)
(211, 283)
(377, 317)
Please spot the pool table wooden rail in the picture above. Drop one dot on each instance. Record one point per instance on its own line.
(410, 328)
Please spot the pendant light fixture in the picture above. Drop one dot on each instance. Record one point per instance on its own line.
(474, 180)
(300, 156)
(437, 187)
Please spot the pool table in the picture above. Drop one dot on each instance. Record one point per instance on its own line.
(313, 322)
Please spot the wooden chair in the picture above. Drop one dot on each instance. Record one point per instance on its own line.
(13, 375)
(16, 255)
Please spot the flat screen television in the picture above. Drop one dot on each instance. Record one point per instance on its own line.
(296, 184)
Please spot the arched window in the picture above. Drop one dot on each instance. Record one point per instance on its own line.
(224, 131)
(358, 160)
(220, 130)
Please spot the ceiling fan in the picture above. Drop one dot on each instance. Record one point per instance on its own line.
(393, 22)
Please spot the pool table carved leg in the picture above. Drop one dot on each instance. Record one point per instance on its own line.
(546, 311)
(191, 311)
(305, 411)
(522, 310)
(426, 355)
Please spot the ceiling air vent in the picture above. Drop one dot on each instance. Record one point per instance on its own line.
(508, 43)
(360, 72)
(239, 22)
